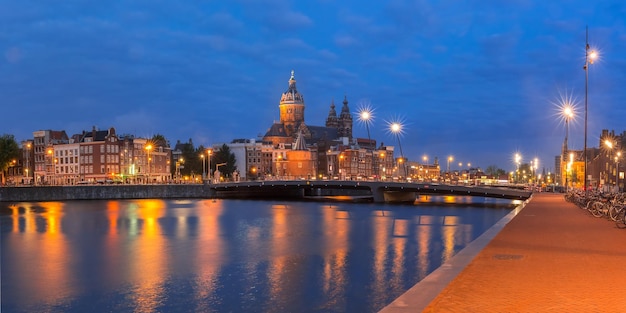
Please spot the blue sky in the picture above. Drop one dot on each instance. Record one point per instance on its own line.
(477, 80)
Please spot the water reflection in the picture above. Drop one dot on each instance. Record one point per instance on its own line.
(226, 255)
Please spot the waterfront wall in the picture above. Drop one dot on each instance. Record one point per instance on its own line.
(97, 192)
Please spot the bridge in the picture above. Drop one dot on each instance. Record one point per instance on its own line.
(376, 191)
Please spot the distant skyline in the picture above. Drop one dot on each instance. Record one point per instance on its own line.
(476, 80)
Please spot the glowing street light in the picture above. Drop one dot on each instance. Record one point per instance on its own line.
(209, 152)
(518, 160)
(366, 116)
(148, 148)
(590, 56)
(450, 159)
(618, 155)
(610, 145)
(396, 128)
(568, 113)
(203, 166)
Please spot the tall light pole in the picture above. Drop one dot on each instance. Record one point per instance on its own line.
(518, 159)
(568, 114)
(28, 163)
(203, 166)
(450, 159)
(209, 152)
(618, 155)
(365, 116)
(148, 148)
(51, 168)
(396, 128)
(590, 56)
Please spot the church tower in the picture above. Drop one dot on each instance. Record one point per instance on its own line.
(291, 108)
(345, 120)
(331, 120)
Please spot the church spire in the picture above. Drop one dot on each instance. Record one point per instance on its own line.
(331, 120)
(345, 120)
(300, 142)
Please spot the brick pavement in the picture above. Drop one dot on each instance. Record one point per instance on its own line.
(551, 257)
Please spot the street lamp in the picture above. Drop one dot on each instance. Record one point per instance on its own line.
(568, 114)
(569, 169)
(51, 167)
(536, 167)
(381, 172)
(618, 155)
(203, 166)
(609, 144)
(366, 116)
(278, 164)
(148, 148)
(396, 128)
(518, 159)
(450, 159)
(590, 56)
(28, 163)
(209, 152)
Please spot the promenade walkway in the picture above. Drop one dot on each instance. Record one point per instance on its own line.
(551, 257)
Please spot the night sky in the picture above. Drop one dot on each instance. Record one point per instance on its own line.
(477, 80)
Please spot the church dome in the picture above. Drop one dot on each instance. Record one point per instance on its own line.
(292, 95)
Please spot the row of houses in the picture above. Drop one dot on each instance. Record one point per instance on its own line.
(53, 158)
(603, 167)
(102, 156)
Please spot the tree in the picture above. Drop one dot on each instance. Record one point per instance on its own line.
(494, 171)
(224, 155)
(189, 155)
(9, 151)
(159, 141)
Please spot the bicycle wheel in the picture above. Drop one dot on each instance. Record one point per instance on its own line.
(621, 219)
(614, 212)
(597, 209)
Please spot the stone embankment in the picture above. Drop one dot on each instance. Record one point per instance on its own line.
(98, 192)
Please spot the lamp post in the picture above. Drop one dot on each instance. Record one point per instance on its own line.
(366, 116)
(381, 173)
(203, 166)
(148, 148)
(28, 162)
(278, 159)
(535, 166)
(50, 167)
(209, 152)
(618, 155)
(450, 159)
(609, 144)
(396, 128)
(590, 56)
(569, 169)
(518, 159)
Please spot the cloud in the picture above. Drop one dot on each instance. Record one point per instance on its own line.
(13, 54)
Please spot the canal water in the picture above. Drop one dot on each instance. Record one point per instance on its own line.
(228, 255)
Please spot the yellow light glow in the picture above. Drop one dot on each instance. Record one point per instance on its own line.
(396, 128)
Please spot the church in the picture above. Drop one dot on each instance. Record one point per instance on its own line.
(291, 123)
